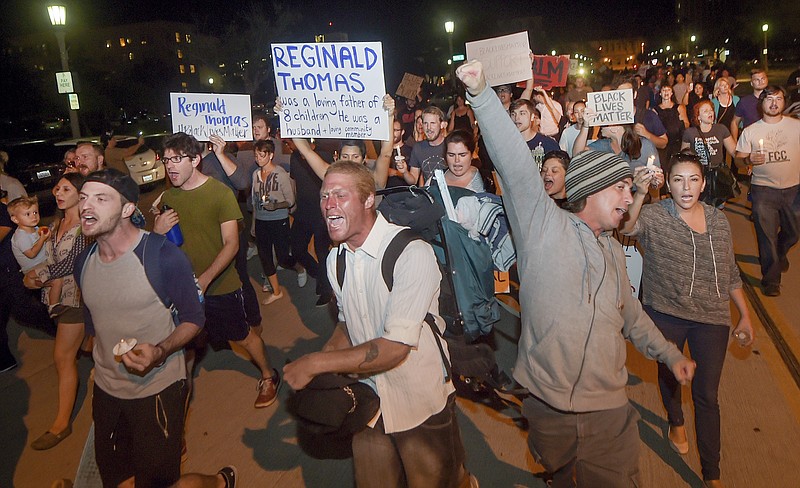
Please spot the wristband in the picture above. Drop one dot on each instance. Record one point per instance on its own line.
(164, 353)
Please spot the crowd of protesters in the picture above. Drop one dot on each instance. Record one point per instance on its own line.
(566, 185)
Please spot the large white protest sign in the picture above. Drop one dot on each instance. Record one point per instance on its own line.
(331, 90)
(505, 59)
(613, 107)
(204, 114)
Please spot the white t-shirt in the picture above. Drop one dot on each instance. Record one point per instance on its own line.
(548, 125)
(21, 241)
(781, 143)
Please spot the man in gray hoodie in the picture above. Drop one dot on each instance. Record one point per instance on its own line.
(577, 307)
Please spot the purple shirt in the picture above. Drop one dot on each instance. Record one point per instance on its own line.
(747, 110)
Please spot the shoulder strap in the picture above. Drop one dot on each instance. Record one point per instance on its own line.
(390, 256)
(151, 260)
(393, 252)
(80, 263)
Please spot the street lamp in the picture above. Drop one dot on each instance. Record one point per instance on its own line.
(449, 27)
(58, 18)
(765, 28)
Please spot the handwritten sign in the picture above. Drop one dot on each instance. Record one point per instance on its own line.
(505, 59)
(613, 107)
(331, 90)
(204, 114)
(550, 71)
(634, 262)
(502, 282)
(409, 86)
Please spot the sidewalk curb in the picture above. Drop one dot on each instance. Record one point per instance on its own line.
(773, 331)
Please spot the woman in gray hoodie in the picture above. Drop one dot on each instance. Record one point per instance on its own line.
(689, 278)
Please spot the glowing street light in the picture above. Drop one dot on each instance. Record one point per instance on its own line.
(693, 38)
(765, 28)
(450, 27)
(58, 19)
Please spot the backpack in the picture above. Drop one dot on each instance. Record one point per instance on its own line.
(390, 256)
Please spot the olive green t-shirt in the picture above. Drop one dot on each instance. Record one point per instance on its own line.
(201, 211)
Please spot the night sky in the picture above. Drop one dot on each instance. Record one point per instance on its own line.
(403, 21)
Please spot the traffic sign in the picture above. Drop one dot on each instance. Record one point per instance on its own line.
(73, 101)
(64, 82)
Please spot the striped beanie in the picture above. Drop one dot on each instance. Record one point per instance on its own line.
(592, 171)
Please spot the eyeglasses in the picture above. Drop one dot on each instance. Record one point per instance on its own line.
(174, 159)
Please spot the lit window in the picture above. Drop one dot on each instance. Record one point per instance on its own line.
(191, 68)
(188, 39)
(130, 56)
(121, 42)
(184, 84)
(183, 69)
(178, 37)
(108, 44)
(180, 54)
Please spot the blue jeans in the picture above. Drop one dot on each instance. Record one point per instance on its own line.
(707, 345)
(775, 214)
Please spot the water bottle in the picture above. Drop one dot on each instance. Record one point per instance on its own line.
(174, 235)
(538, 156)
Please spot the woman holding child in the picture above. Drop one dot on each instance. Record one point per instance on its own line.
(66, 242)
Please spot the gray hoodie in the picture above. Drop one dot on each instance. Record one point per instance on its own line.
(577, 306)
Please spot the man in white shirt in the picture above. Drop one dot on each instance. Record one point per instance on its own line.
(772, 146)
(383, 337)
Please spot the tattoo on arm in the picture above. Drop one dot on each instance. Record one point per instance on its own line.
(372, 354)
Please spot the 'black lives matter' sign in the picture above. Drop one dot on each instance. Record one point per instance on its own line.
(613, 107)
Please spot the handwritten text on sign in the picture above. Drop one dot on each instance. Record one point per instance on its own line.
(505, 59)
(550, 71)
(331, 90)
(204, 114)
(613, 107)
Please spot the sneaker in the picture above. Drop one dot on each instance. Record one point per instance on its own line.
(268, 390)
(772, 290)
(274, 297)
(229, 475)
(266, 287)
(302, 278)
(324, 300)
(252, 251)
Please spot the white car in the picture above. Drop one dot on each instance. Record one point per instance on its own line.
(144, 165)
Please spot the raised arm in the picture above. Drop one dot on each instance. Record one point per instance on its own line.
(315, 161)
(528, 92)
(642, 179)
(385, 156)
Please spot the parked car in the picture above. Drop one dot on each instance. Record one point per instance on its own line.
(144, 166)
(37, 164)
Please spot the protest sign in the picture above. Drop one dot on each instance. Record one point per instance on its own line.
(634, 262)
(613, 107)
(331, 90)
(550, 71)
(505, 59)
(204, 114)
(409, 86)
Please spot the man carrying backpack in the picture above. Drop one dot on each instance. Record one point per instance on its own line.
(389, 336)
(140, 372)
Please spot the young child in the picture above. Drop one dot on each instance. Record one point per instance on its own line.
(28, 245)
